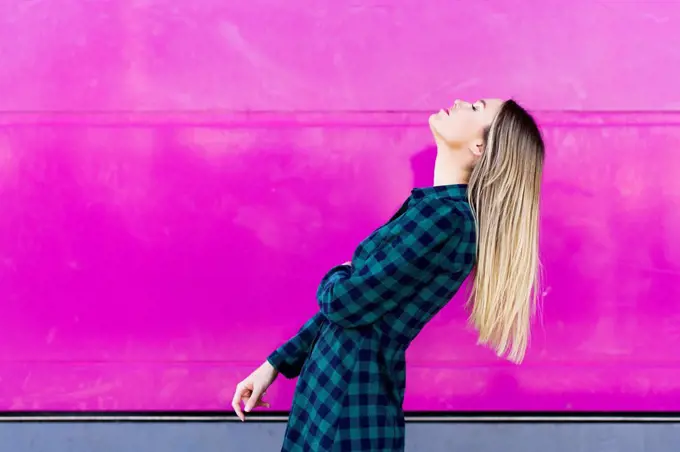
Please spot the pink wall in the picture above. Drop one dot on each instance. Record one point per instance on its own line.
(157, 241)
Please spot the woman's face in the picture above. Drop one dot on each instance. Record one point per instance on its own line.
(463, 125)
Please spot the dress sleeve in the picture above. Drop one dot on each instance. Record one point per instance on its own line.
(289, 358)
(357, 296)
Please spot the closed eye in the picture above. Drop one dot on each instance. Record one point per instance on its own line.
(477, 107)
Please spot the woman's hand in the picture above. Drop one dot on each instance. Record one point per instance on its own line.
(251, 390)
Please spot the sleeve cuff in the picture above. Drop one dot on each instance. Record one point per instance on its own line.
(278, 362)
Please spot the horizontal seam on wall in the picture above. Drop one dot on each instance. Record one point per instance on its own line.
(327, 119)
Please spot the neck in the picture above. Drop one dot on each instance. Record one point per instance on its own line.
(448, 170)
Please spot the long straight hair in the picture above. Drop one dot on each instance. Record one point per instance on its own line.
(503, 192)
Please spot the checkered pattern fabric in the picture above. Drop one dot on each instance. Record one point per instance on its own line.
(350, 355)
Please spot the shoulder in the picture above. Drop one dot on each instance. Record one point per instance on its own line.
(458, 249)
(434, 221)
(444, 214)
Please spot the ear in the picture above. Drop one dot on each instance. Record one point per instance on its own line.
(477, 147)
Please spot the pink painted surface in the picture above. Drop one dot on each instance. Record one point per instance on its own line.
(150, 260)
(336, 54)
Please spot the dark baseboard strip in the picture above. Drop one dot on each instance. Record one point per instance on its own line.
(444, 417)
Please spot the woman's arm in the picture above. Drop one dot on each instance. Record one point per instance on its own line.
(289, 358)
(356, 296)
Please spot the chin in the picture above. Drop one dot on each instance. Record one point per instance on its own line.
(435, 122)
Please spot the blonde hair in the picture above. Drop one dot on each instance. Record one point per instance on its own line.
(503, 192)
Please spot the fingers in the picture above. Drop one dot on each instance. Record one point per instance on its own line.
(250, 395)
(254, 399)
(262, 403)
(240, 393)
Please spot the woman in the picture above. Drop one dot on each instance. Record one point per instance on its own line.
(481, 213)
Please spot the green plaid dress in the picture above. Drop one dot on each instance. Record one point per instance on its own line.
(350, 355)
